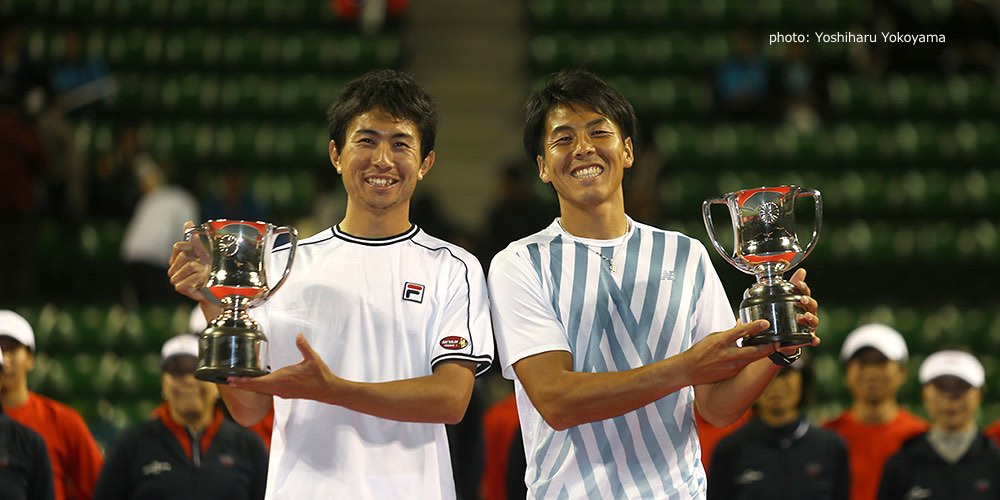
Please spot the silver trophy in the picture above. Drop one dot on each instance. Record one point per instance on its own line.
(766, 245)
(236, 252)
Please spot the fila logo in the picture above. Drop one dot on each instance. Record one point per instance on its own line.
(414, 292)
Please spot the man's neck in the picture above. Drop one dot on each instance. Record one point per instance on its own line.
(882, 412)
(604, 222)
(365, 224)
(13, 398)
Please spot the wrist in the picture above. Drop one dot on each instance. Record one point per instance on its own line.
(783, 360)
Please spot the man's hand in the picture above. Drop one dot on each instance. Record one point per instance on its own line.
(188, 269)
(719, 357)
(310, 378)
(810, 317)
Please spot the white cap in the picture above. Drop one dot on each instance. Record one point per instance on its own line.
(957, 363)
(881, 337)
(178, 345)
(17, 328)
(197, 321)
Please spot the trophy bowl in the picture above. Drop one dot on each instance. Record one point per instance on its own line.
(766, 245)
(236, 252)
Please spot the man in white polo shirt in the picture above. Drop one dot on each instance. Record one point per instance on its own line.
(380, 329)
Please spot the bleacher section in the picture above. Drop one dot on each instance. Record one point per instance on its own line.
(906, 159)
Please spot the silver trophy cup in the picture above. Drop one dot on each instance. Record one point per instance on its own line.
(766, 245)
(236, 252)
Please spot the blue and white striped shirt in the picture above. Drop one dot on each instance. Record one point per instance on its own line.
(550, 292)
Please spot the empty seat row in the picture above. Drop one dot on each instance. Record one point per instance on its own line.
(902, 95)
(189, 143)
(658, 13)
(239, 95)
(670, 52)
(140, 49)
(68, 330)
(216, 12)
(96, 375)
(838, 144)
(866, 193)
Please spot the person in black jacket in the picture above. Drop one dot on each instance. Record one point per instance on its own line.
(954, 459)
(25, 470)
(187, 450)
(778, 453)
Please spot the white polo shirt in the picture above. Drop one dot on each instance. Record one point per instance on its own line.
(375, 310)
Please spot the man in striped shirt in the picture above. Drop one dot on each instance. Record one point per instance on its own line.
(612, 329)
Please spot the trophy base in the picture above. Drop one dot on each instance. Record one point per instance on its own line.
(225, 352)
(779, 310)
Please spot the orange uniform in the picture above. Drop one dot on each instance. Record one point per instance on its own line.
(870, 445)
(993, 432)
(500, 422)
(76, 459)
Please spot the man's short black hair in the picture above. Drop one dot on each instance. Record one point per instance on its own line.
(391, 91)
(576, 86)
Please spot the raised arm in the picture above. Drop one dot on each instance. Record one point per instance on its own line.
(441, 397)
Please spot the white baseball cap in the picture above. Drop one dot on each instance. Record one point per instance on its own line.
(179, 345)
(881, 337)
(13, 325)
(957, 363)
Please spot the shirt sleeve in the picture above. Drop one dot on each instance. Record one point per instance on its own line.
(713, 311)
(465, 331)
(524, 320)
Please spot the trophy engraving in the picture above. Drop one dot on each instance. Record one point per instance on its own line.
(236, 252)
(765, 245)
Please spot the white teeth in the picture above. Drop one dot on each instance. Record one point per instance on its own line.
(587, 173)
(380, 181)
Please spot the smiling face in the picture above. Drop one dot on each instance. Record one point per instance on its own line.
(584, 157)
(380, 162)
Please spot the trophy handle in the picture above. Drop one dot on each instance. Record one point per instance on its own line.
(815, 194)
(706, 212)
(196, 236)
(293, 241)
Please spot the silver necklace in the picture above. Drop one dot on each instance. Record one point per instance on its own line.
(605, 258)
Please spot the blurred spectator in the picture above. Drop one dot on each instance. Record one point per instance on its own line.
(371, 15)
(779, 453)
(517, 465)
(518, 212)
(875, 425)
(232, 200)
(465, 443)
(22, 81)
(801, 87)
(75, 457)
(157, 223)
(953, 459)
(710, 435)
(993, 432)
(197, 324)
(79, 82)
(22, 164)
(196, 453)
(500, 423)
(973, 34)
(27, 473)
(742, 81)
(114, 190)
